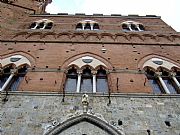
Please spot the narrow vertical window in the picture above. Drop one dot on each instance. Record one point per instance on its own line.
(33, 25)
(40, 25)
(18, 78)
(71, 80)
(86, 82)
(125, 27)
(102, 83)
(87, 26)
(168, 81)
(48, 25)
(79, 26)
(95, 26)
(155, 84)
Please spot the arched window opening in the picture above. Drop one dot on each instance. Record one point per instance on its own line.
(86, 81)
(48, 25)
(141, 27)
(10, 80)
(95, 26)
(71, 80)
(102, 83)
(134, 27)
(79, 26)
(154, 82)
(125, 27)
(33, 25)
(40, 25)
(87, 26)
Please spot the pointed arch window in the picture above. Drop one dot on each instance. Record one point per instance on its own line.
(87, 25)
(79, 26)
(102, 83)
(86, 81)
(71, 80)
(95, 26)
(132, 26)
(154, 82)
(42, 24)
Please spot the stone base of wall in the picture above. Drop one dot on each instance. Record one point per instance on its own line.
(35, 114)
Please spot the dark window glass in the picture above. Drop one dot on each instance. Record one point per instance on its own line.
(49, 25)
(86, 81)
(79, 26)
(133, 27)
(32, 25)
(71, 80)
(125, 27)
(169, 85)
(102, 83)
(16, 80)
(87, 26)
(40, 25)
(3, 79)
(96, 26)
(141, 27)
(155, 85)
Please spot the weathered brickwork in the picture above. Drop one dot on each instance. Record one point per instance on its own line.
(43, 59)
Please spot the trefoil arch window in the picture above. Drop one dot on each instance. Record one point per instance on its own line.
(132, 26)
(87, 25)
(42, 24)
(102, 82)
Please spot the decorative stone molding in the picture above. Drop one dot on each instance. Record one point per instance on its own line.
(16, 60)
(90, 117)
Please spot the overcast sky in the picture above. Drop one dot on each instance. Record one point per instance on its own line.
(169, 10)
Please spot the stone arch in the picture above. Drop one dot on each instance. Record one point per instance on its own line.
(73, 58)
(167, 62)
(25, 59)
(88, 118)
(148, 67)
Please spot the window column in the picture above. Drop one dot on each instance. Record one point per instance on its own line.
(158, 75)
(13, 72)
(92, 25)
(138, 28)
(94, 81)
(79, 81)
(83, 26)
(172, 75)
(129, 26)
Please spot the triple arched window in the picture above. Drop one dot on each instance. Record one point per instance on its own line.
(42, 24)
(132, 26)
(87, 25)
(163, 76)
(86, 75)
(86, 80)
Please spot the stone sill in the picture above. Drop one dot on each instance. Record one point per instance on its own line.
(123, 95)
